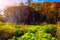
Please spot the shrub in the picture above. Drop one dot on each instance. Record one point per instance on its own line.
(35, 32)
(18, 32)
(58, 33)
(7, 31)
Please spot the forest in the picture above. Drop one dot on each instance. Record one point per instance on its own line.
(35, 21)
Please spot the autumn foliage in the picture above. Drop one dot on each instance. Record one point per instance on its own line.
(35, 12)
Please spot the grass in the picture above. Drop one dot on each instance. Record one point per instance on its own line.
(19, 32)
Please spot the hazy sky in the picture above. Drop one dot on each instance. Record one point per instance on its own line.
(4, 3)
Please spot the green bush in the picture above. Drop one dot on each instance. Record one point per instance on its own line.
(18, 32)
(6, 30)
(36, 32)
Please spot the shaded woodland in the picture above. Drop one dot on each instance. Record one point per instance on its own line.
(35, 13)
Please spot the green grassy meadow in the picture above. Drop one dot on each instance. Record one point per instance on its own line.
(29, 32)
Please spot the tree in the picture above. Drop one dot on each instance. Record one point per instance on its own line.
(19, 15)
(1, 18)
(29, 1)
(54, 11)
(15, 14)
(21, 4)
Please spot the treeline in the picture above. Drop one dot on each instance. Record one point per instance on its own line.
(49, 9)
(35, 13)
